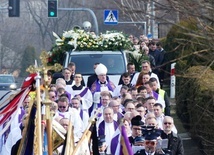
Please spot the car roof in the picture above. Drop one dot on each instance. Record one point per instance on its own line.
(95, 52)
(6, 75)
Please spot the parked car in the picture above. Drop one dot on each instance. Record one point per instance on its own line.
(7, 82)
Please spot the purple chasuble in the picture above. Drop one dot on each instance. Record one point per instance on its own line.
(101, 129)
(98, 86)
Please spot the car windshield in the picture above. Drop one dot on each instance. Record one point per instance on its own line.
(6, 79)
(84, 63)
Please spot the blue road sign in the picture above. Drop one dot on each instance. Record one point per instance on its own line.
(149, 35)
(110, 17)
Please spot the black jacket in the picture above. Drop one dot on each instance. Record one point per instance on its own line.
(142, 152)
(91, 80)
(175, 144)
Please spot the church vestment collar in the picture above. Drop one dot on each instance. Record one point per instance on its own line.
(74, 87)
(106, 82)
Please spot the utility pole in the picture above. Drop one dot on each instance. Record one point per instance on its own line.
(149, 18)
(1, 54)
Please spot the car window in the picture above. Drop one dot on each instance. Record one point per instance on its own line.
(84, 63)
(6, 79)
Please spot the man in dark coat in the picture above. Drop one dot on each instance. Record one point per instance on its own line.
(150, 143)
(93, 77)
(175, 145)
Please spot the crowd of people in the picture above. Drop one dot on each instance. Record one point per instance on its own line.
(137, 101)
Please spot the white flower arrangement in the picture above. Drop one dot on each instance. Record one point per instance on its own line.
(80, 40)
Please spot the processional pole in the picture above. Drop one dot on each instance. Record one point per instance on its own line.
(38, 126)
(44, 69)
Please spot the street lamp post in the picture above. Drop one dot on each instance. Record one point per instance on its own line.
(87, 10)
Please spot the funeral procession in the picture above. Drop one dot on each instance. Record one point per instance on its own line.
(125, 77)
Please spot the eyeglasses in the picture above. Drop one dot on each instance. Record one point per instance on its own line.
(152, 143)
(62, 107)
(77, 77)
(167, 123)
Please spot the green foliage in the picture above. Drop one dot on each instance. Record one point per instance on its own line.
(28, 58)
(137, 60)
(187, 42)
(190, 45)
(195, 104)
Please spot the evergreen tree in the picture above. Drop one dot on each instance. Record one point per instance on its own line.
(28, 59)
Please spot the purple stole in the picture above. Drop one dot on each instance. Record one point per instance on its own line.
(63, 116)
(101, 129)
(81, 114)
(99, 85)
(83, 92)
(155, 95)
(119, 116)
(69, 95)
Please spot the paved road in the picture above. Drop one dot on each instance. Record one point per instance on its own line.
(190, 146)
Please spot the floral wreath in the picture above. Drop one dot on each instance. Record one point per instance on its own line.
(79, 40)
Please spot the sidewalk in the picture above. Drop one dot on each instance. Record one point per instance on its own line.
(190, 146)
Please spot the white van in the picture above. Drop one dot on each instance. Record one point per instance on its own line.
(115, 61)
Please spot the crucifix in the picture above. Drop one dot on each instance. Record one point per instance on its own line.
(47, 102)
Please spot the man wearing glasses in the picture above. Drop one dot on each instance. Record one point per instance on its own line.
(175, 145)
(150, 142)
(52, 95)
(71, 113)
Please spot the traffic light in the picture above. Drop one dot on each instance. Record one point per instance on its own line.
(14, 8)
(52, 8)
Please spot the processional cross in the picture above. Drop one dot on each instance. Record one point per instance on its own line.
(47, 102)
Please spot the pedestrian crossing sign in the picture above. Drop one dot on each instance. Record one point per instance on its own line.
(111, 17)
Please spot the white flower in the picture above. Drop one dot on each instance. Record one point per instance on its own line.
(55, 35)
(68, 34)
(89, 40)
